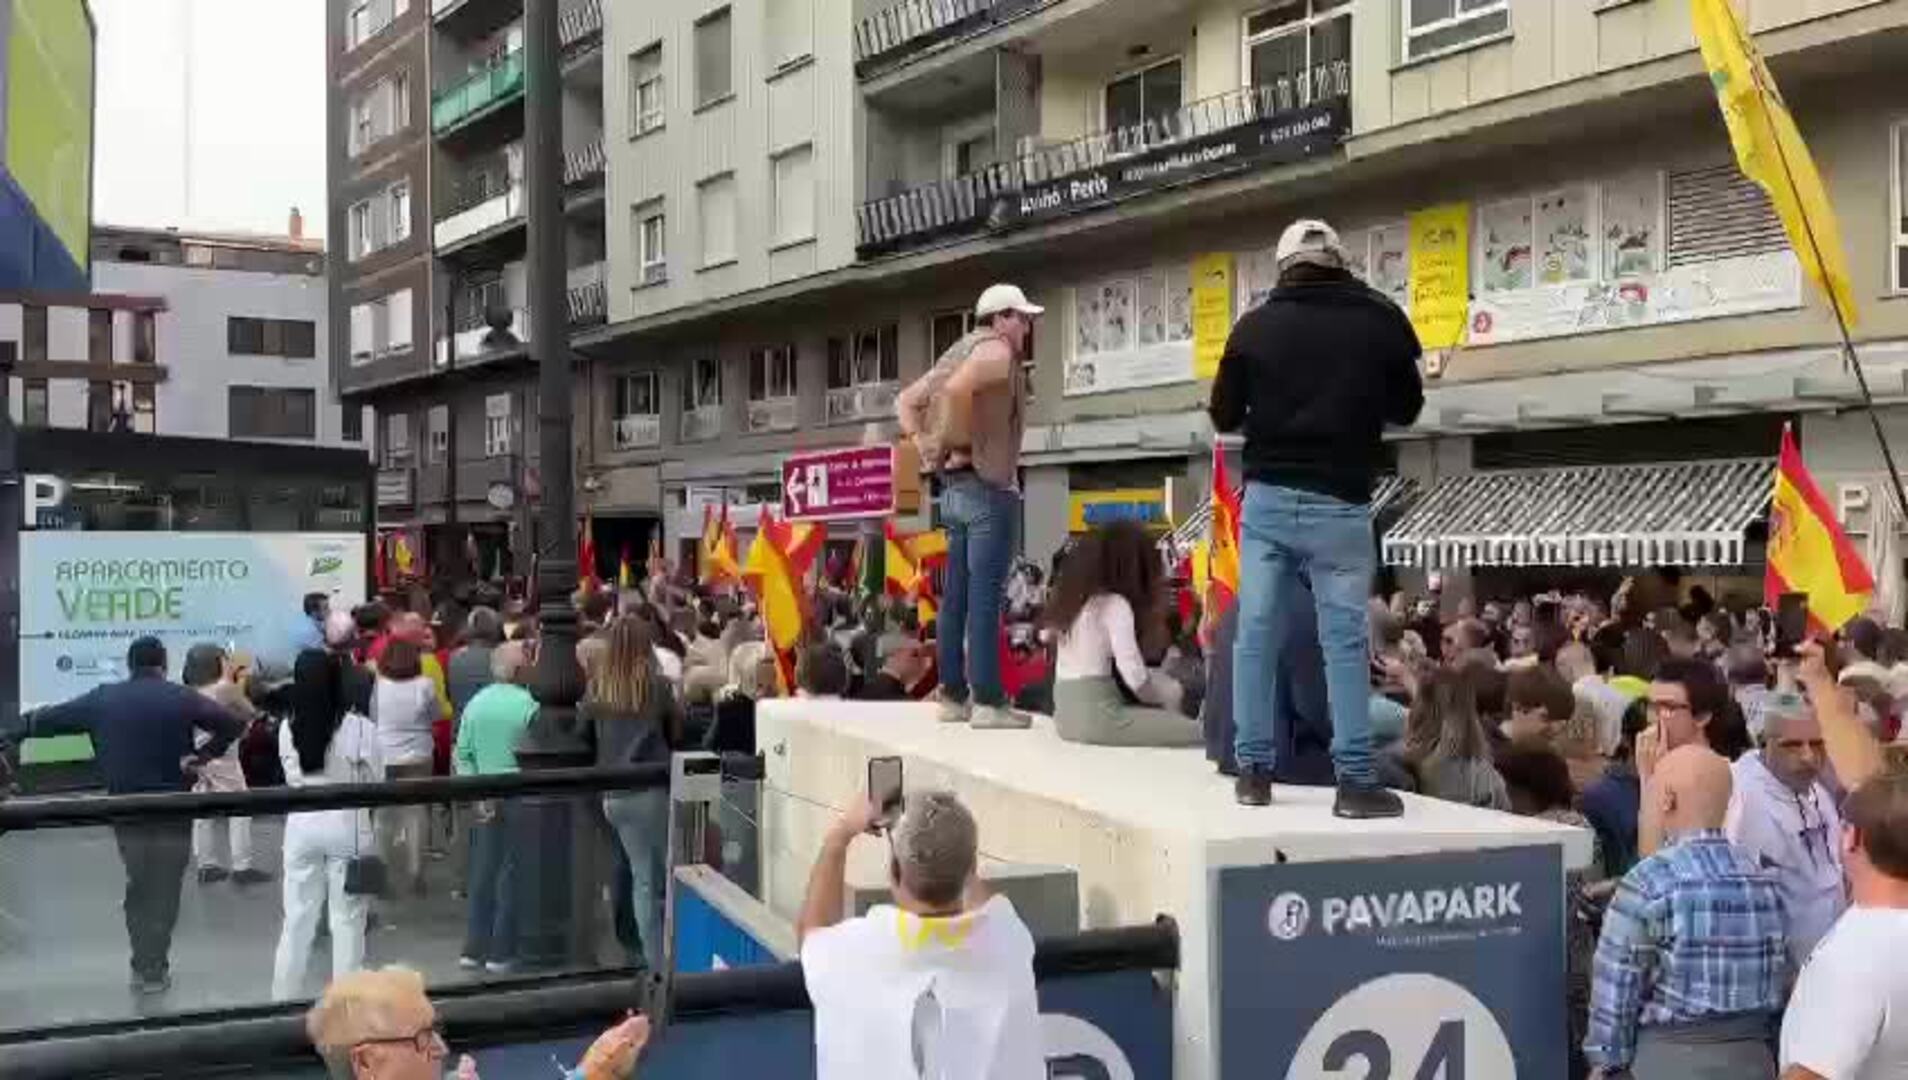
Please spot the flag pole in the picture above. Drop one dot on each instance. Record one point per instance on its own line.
(1835, 307)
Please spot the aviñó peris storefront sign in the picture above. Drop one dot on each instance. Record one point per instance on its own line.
(1275, 140)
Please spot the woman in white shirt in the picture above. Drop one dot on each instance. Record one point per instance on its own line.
(404, 705)
(1107, 599)
(326, 741)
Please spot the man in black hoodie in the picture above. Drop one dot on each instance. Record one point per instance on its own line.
(1313, 376)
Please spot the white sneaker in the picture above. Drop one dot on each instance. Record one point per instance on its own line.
(953, 712)
(999, 717)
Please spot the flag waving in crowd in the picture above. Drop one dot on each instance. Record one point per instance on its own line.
(779, 558)
(1808, 551)
(909, 561)
(1770, 150)
(625, 572)
(586, 554)
(716, 553)
(1222, 544)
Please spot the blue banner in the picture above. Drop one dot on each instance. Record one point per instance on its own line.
(1446, 966)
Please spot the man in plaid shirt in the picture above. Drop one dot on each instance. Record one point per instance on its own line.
(1693, 964)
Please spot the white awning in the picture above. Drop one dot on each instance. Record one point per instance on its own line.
(1685, 514)
(1388, 491)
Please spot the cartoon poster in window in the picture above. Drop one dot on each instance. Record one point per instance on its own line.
(1116, 315)
(1390, 266)
(1357, 247)
(1563, 236)
(1632, 229)
(1503, 246)
(1086, 320)
(1179, 302)
(1258, 274)
(1151, 302)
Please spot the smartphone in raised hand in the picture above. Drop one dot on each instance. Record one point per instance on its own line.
(884, 788)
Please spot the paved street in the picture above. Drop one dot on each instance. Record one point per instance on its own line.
(63, 947)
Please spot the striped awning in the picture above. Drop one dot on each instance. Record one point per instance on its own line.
(1685, 514)
(1389, 491)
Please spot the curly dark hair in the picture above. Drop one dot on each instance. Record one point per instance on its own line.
(1119, 558)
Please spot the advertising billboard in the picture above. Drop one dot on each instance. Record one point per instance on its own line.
(85, 596)
(46, 175)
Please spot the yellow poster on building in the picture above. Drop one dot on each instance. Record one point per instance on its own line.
(1441, 274)
(1211, 312)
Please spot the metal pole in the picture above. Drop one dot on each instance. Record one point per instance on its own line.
(557, 683)
(12, 507)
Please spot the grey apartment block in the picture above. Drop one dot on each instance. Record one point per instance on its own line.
(425, 132)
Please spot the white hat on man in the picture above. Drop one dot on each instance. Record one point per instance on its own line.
(999, 298)
(1309, 240)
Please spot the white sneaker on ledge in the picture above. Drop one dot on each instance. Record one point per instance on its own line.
(953, 712)
(999, 717)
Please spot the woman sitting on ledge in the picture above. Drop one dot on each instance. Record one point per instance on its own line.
(1109, 597)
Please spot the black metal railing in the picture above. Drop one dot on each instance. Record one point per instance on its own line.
(589, 303)
(912, 25)
(478, 184)
(584, 164)
(580, 25)
(968, 203)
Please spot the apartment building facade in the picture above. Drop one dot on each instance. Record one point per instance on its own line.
(425, 137)
(1131, 163)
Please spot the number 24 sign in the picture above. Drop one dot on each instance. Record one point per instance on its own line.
(1405, 1027)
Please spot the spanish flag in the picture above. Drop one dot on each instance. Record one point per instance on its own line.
(586, 553)
(905, 570)
(778, 560)
(1808, 552)
(1222, 555)
(716, 553)
(1770, 150)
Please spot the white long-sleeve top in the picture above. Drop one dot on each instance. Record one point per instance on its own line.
(1102, 639)
(355, 756)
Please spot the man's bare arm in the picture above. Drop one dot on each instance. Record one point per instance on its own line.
(823, 903)
(910, 406)
(1853, 750)
(1797, 1072)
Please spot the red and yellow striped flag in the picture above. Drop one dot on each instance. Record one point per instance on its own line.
(905, 565)
(1222, 558)
(716, 553)
(778, 560)
(1808, 551)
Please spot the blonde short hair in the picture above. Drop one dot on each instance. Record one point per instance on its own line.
(508, 660)
(357, 1007)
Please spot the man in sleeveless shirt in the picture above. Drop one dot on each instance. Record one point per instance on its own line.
(967, 415)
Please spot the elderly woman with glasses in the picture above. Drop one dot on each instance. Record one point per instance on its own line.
(379, 1025)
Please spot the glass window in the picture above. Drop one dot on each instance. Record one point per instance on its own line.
(772, 373)
(397, 439)
(715, 78)
(1433, 26)
(636, 395)
(947, 328)
(646, 90)
(651, 244)
(33, 403)
(716, 214)
(790, 31)
(271, 412)
(351, 420)
(400, 196)
(1149, 95)
(498, 417)
(1287, 46)
(1901, 207)
(794, 196)
(437, 435)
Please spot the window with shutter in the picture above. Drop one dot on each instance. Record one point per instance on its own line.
(1717, 213)
(362, 348)
(399, 315)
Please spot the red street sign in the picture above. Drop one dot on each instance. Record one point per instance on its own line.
(855, 482)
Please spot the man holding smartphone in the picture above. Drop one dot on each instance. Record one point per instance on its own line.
(938, 984)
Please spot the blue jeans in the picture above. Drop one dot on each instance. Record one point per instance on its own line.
(1290, 538)
(641, 821)
(491, 931)
(983, 525)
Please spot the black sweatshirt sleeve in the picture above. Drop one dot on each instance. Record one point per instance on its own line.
(1229, 388)
(1404, 387)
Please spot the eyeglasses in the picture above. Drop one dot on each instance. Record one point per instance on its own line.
(426, 1041)
(1663, 706)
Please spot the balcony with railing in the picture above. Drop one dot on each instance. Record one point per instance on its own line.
(483, 91)
(638, 431)
(585, 164)
(580, 26)
(1276, 123)
(866, 401)
(772, 414)
(589, 295)
(903, 29)
(701, 424)
(483, 201)
(473, 339)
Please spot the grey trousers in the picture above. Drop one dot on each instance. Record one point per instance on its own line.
(1727, 1048)
(1091, 711)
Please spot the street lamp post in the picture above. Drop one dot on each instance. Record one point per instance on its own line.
(557, 849)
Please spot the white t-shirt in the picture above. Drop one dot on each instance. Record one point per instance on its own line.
(1848, 1018)
(404, 712)
(897, 996)
(1101, 639)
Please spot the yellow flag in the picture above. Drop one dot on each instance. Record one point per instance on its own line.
(1770, 150)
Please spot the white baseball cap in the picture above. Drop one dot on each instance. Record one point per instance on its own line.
(999, 298)
(1309, 240)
